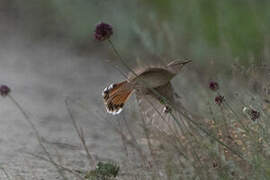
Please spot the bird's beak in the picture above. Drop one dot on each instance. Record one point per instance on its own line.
(186, 62)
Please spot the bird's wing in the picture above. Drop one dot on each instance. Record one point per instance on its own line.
(144, 69)
(154, 112)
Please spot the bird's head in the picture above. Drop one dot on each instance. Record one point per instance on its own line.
(176, 65)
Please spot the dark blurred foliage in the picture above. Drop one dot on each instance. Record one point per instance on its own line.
(206, 31)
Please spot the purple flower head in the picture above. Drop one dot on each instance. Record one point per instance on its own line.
(219, 99)
(213, 86)
(254, 114)
(4, 90)
(103, 31)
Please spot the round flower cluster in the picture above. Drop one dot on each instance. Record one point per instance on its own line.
(103, 31)
(4, 90)
(213, 86)
(219, 99)
(254, 114)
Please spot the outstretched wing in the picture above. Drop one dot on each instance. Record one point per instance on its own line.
(156, 114)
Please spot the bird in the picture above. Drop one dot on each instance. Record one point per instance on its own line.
(153, 82)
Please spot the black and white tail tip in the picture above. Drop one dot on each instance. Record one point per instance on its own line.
(114, 98)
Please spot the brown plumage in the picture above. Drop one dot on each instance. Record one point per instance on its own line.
(145, 80)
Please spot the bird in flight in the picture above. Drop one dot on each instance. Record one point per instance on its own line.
(143, 82)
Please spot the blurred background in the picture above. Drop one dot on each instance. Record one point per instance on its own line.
(221, 32)
(48, 52)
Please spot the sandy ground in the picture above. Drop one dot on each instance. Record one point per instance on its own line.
(41, 77)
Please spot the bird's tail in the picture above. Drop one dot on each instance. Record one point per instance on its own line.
(116, 95)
